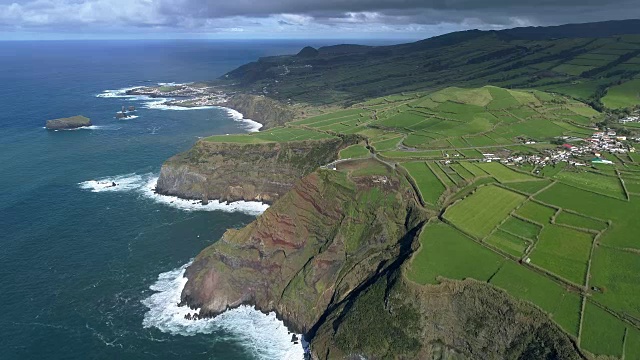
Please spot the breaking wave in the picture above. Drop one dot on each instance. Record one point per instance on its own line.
(251, 126)
(263, 334)
(145, 185)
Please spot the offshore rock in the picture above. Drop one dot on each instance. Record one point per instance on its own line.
(73, 122)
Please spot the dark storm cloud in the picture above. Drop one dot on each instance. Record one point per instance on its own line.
(260, 17)
(417, 11)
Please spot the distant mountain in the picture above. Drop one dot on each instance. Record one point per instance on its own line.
(579, 60)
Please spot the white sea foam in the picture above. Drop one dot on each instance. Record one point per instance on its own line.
(129, 117)
(263, 334)
(161, 105)
(173, 83)
(251, 126)
(118, 93)
(144, 185)
(91, 127)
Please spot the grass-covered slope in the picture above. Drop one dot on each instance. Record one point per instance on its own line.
(581, 61)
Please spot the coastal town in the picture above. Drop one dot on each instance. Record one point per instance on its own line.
(184, 95)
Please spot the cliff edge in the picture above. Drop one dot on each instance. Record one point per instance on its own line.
(310, 251)
(231, 171)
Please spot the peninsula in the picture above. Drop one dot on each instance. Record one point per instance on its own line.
(73, 122)
(469, 196)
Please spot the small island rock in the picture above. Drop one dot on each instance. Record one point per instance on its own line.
(73, 122)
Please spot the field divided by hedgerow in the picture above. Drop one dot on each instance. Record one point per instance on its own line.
(445, 251)
(429, 185)
(482, 211)
(550, 296)
(536, 212)
(602, 333)
(564, 252)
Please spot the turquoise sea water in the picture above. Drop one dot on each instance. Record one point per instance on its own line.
(92, 273)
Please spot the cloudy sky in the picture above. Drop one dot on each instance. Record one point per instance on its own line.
(402, 19)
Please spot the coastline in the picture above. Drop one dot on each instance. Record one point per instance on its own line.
(157, 101)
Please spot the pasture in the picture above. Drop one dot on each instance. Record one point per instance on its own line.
(482, 211)
(520, 228)
(429, 185)
(602, 333)
(621, 96)
(445, 251)
(502, 173)
(564, 252)
(508, 243)
(354, 151)
(551, 297)
(536, 212)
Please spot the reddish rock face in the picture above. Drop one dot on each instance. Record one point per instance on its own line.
(316, 244)
(252, 172)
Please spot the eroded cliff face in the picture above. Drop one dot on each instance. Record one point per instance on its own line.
(253, 172)
(330, 235)
(328, 257)
(268, 112)
(454, 320)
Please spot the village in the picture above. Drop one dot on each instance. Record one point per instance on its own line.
(574, 151)
(185, 95)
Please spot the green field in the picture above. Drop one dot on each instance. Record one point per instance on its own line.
(602, 333)
(564, 252)
(508, 243)
(579, 221)
(502, 173)
(428, 184)
(354, 151)
(624, 95)
(625, 228)
(271, 135)
(606, 185)
(482, 211)
(529, 187)
(521, 228)
(528, 285)
(536, 212)
(445, 251)
(617, 273)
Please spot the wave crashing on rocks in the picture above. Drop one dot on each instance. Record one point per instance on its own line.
(263, 334)
(144, 185)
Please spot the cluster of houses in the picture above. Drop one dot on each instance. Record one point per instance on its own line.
(588, 150)
(630, 119)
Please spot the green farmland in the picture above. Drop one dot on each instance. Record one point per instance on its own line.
(470, 215)
(429, 185)
(557, 236)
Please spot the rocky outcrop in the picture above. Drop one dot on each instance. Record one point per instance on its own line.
(327, 237)
(73, 122)
(236, 171)
(268, 112)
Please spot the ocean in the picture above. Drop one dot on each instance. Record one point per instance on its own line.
(90, 272)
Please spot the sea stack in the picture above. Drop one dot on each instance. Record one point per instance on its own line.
(73, 122)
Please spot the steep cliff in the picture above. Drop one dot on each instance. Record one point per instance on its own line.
(240, 171)
(330, 235)
(328, 258)
(454, 320)
(268, 112)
